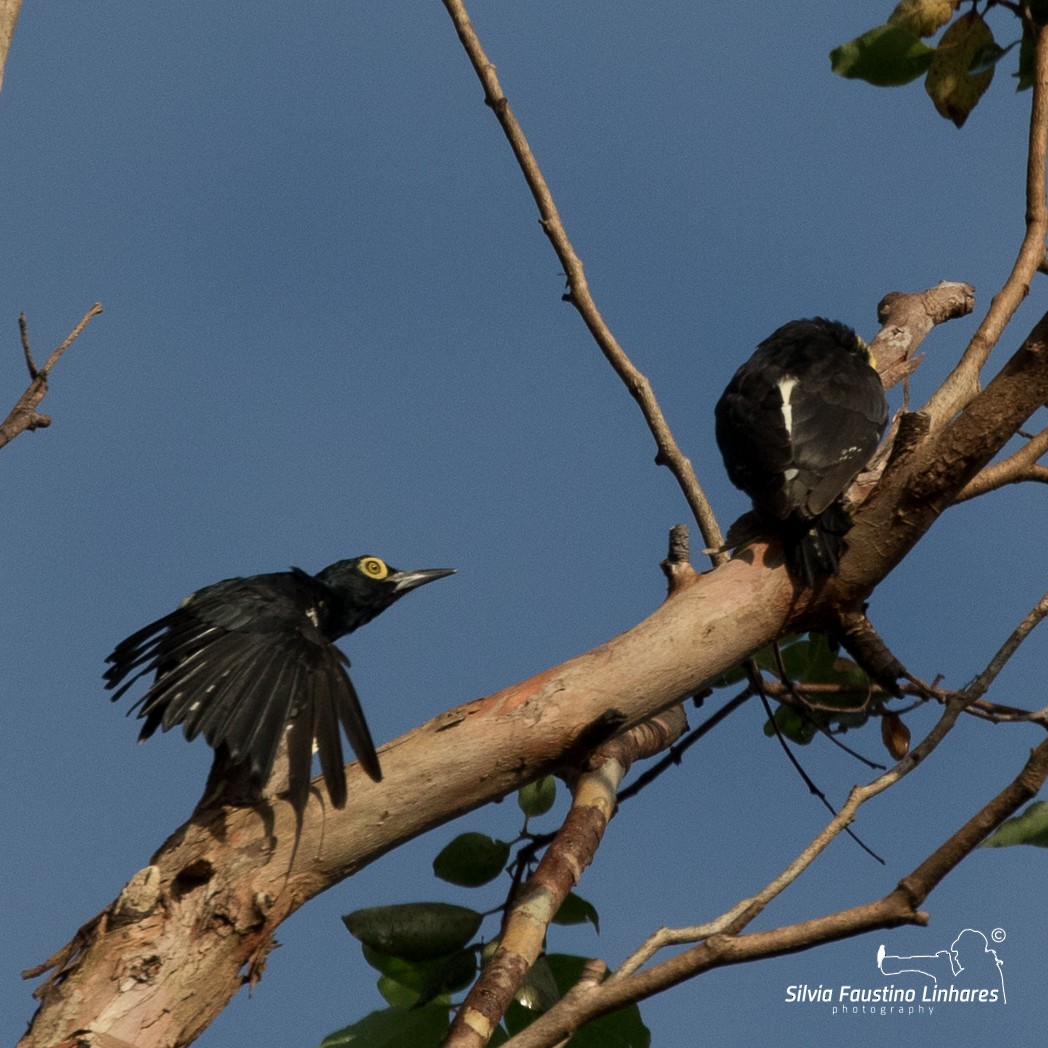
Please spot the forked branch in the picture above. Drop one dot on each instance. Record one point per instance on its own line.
(523, 934)
(24, 416)
(901, 906)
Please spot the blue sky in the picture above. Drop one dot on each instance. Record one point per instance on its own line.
(332, 326)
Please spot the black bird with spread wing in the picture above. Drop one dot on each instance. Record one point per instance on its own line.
(245, 659)
(796, 425)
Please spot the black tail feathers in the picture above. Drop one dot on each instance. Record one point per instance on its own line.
(813, 548)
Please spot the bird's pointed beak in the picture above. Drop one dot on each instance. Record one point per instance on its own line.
(409, 580)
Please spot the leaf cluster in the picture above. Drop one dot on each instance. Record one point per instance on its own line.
(425, 952)
(957, 70)
(803, 661)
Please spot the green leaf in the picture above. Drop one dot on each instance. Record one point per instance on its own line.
(989, 56)
(953, 88)
(471, 859)
(810, 659)
(448, 976)
(406, 984)
(576, 910)
(1026, 58)
(1029, 827)
(764, 657)
(792, 726)
(538, 991)
(887, 56)
(537, 797)
(396, 994)
(621, 1029)
(416, 931)
(394, 1028)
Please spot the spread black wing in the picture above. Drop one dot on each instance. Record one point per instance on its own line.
(241, 661)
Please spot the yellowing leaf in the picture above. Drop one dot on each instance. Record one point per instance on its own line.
(950, 84)
(923, 17)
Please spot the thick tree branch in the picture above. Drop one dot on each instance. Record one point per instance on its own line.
(918, 486)
(523, 934)
(230, 876)
(591, 1000)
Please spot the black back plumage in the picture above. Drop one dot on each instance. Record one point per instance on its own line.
(245, 659)
(796, 425)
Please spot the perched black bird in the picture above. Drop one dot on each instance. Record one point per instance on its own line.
(795, 426)
(246, 658)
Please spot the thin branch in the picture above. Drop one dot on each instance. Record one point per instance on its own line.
(588, 1002)
(24, 415)
(981, 684)
(678, 750)
(955, 703)
(527, 919)
(23, 331)
(808, 781)
(962, 384)
(669, 453)
(746, 910)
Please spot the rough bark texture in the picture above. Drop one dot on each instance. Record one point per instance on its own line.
(164, 959)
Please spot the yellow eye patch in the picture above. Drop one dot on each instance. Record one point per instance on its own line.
(373, 567)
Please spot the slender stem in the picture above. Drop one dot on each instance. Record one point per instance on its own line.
(962, 383)
(639, 387)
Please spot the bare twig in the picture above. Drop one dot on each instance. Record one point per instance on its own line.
(669, 453)
(955, 702)
(981, 684)
(962, 384)
(747, 909)
(724, 947)
(24, 415)
(677, 751)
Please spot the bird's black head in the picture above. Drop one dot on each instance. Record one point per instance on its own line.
(815, 338)
(365, 586)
